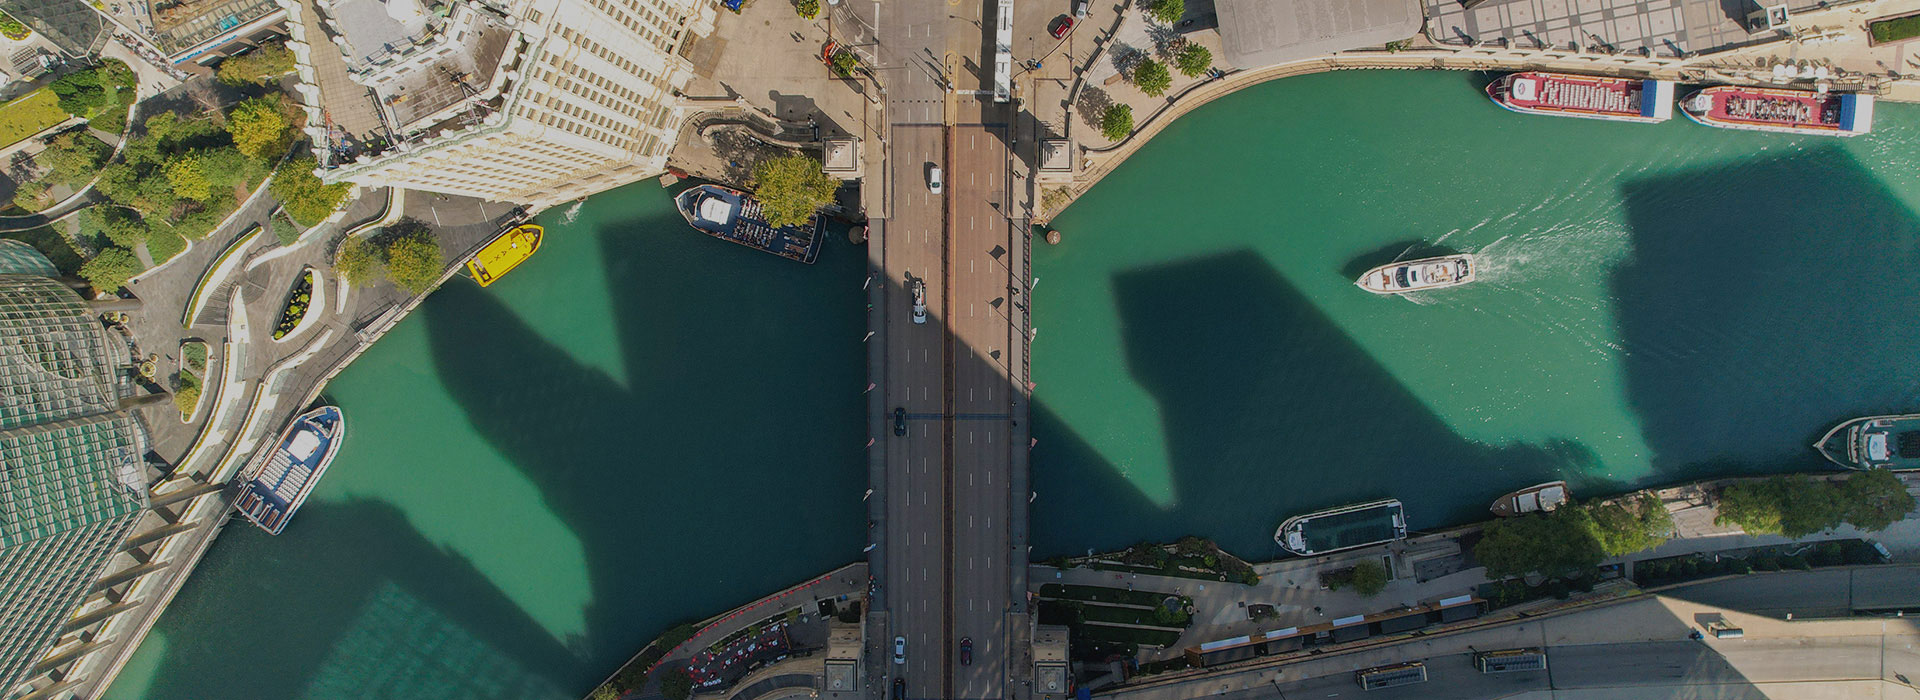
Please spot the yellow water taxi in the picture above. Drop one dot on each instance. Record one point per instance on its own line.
(504, 253)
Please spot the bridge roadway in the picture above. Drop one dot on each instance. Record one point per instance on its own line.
(951, 560)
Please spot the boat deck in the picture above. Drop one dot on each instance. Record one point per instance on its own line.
(1798, 110)
(270, 498)
(1349, 527)
(749, 226)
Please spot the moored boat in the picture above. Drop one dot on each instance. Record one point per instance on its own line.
(1584, 96)
(731, 215)
(1873, 442)
(1781, 111)
(1346, 527)
(1419, 275)
(287, 476)
(505, 252)
(1538, 498)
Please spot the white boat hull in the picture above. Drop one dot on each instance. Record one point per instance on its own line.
(1420, 275)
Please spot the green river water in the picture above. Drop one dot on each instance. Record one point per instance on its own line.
(643, 425)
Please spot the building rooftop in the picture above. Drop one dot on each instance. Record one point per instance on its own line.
(461, 72)
(373, 31)
(180, 26)
(1261, 33)
(1050, 659)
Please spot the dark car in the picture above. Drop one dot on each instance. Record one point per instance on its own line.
(1061, 25)
(900, 421)
(899, 689)
(966, 651)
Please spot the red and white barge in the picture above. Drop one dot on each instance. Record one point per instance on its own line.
(1780, 110)
(1584, 96)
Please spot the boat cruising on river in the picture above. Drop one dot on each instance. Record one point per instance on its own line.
(1782, 111)
(731, 215)
(1347, 527)
(1419, 275)
(1584, 96)
(1538, 498)
(1874, 441)
(282, 482)
(504, 253)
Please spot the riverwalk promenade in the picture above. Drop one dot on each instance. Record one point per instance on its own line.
(253, 383)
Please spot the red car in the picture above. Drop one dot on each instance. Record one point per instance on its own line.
(1061, 25)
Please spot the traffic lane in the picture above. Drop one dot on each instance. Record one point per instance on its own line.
(1720, 662)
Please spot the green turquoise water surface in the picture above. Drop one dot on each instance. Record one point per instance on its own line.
(1658, 303)
(643, 424)
(640, 425)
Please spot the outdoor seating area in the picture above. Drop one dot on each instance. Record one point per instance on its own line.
(713, 669)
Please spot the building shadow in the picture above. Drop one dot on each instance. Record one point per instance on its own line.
(399, 616)
(1765, 301)
(726, 466)
(1265, 401)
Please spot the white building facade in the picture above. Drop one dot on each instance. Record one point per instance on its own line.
(535, 102)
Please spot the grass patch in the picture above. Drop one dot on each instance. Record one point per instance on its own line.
(1132, 616)
(1126, 635)
(164, 244)
(194, 354)
(1896, 29)
(51, 244)
(36, 112)
(1101, 594)
(186, 394)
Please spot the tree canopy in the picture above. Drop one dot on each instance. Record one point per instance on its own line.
(302, 194)
(413, 256)
(1572, 538)
(1193, 59)
(1116, 122)
(791, 187)
(358, 262)
(1796, 506)
(258, 127)
(1152, 78)
(188, 177)
(110, 269)
(83, 92)
(1167, 11)
(258, 66)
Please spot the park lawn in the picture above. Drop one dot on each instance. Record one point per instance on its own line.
(1101, 594)
(36, 112)
(1896, 29)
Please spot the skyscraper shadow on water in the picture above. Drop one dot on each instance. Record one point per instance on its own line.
(1766, 300)
(1269, 409)
(727, 465)
(396, 615)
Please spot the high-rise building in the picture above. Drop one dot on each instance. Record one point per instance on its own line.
(529, 101)
(72, 476)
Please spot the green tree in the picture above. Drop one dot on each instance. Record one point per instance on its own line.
(261, 65)
(809, 9)
(1555, 543)
(1625, 528)
(33, 196)
(114, 224)
(413, 257)
(1152, 77)
(1167, 11)
(1369, 577)
(791, 187)
(1116, 122)
(80, 92)
(358, 262)
(284, 230)
(72, 158)
(1793, 506)
(1876, 499)
(187, 397)
(302, 194)
(111, 269)
(1193, 59)
(258, 127)
(187, 175)
(676, 684)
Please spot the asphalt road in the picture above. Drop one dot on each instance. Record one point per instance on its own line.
(948, 553)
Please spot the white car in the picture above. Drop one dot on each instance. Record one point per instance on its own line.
(919, 300)
(933, 179)
(900, 650)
